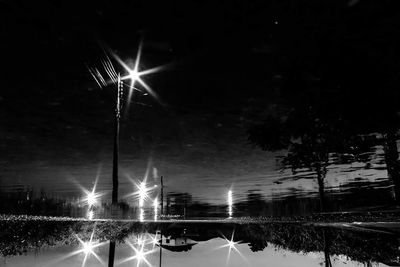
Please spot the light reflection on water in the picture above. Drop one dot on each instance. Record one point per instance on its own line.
(281, 193)
(195, 244)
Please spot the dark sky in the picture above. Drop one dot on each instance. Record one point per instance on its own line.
(222, 51)
(225, 57)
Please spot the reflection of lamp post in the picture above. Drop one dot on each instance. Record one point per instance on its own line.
(135, 76)
(116, 142)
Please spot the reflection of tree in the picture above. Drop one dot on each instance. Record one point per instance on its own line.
(327, 244)
(318, 95)
(21, 236)
(257, 236)
(17, 237)
(358, 246)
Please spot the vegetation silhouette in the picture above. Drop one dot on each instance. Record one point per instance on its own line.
(362, 244)
(333, 91)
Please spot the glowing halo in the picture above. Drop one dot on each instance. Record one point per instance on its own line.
(135, 75)
(139, 254)
(91, 197)
(231, 246)
(142, 191)
(87, 248)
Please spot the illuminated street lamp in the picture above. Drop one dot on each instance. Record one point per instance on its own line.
(135, 76)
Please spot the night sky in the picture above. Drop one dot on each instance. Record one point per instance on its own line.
(223, 59)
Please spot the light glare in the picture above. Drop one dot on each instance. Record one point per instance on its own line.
(230, 203)
(134, 75)
(139, 254)
(231, 246)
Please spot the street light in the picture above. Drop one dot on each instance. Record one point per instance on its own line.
(135, 75)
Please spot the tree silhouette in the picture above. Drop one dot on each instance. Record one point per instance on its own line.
(338, 81)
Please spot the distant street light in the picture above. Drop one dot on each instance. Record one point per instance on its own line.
(230, 203)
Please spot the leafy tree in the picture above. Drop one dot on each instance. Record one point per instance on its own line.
(310, 134)
(339, 68)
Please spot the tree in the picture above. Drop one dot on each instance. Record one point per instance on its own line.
(310, 133)
(339, 68)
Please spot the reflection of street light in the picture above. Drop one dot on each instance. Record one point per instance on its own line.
(134, 75)
(231, 246)
(139, 254)
(91, 198)
(141, 214)
(230, 203)
(142, 191)
(87, 248)
(90, 214)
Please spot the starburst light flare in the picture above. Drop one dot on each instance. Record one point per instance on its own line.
(142, 190)
(231, 246)
(87, 248)
(135, 74)
(139, 254)
(92, 197)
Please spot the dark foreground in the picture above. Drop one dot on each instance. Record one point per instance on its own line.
(348, 241)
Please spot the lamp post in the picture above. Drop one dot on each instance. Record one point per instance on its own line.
(116, 142)
(134, 75)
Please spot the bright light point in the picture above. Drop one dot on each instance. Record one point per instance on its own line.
(231, 246)
(141, 215)
(142, 189)
(91, 199)
(154, 240)
(135, 74)
(230, 203)
(142, 192)
(139, 256)
(90, 215)
(87, 248)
